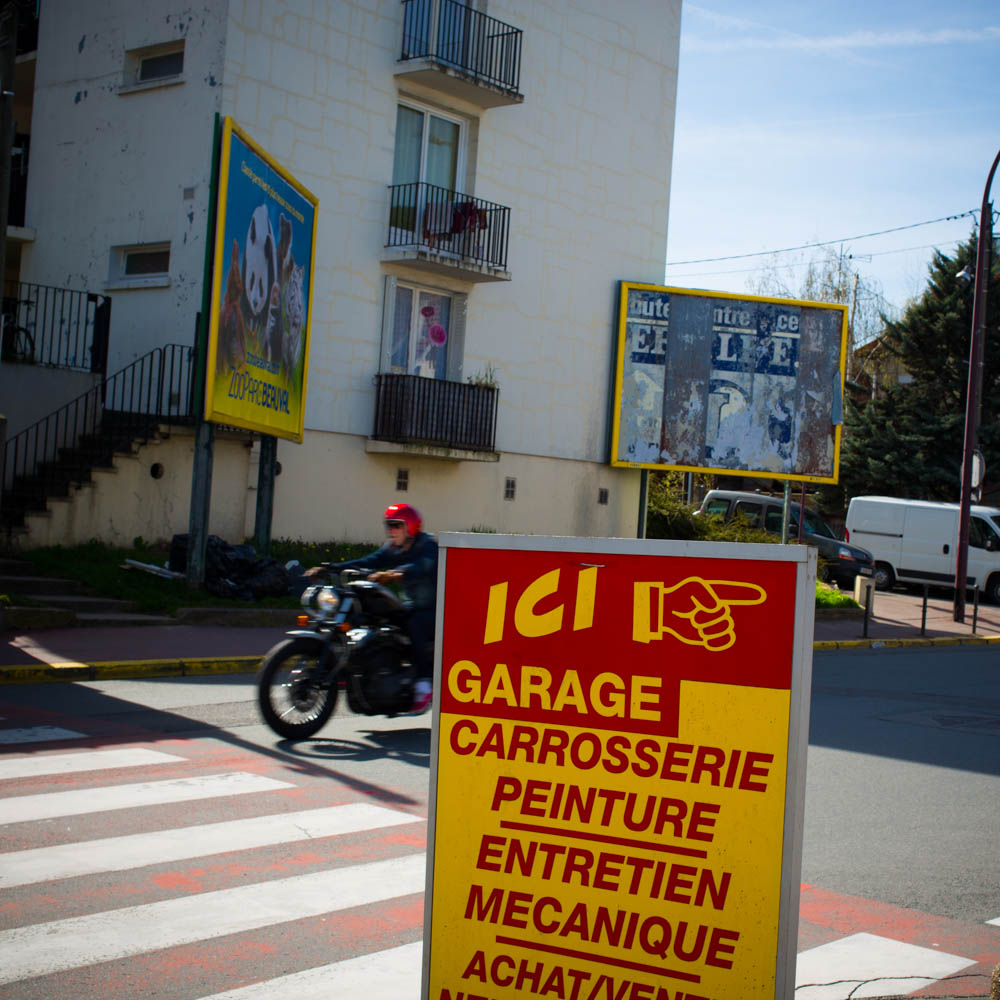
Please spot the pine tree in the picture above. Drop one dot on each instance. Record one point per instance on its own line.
(908, 442)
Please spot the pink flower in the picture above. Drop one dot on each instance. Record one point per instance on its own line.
(437, 334)
(427, 311)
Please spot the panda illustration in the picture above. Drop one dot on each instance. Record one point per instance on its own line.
(259, 266)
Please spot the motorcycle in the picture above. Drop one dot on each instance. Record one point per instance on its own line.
(352, 638)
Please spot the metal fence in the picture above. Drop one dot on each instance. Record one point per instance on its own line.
(43, 325)
(413, 409)
(466, 39)
(449, 223)
(62, 447)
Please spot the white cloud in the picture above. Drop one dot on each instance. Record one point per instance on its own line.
(857, 40)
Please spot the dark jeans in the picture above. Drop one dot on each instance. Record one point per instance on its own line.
(420, 627)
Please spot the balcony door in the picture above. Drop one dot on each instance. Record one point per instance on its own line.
(421, 330)
(428, 161)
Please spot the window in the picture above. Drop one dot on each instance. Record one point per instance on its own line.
(402, 480)
(602, 496)
(139, 265)
(750, 511)
(420, 332)
(138, 261)
(428, 162)
(153, 66)
(509, 488)
(717, 508)
(428, 148)
(980, 533)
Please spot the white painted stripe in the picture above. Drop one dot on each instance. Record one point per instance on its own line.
(42, 949)
(885, 966)
(995, 922)
(118, 854)
(393, 974)
(39, 734)
(48, 805)
(74, 763)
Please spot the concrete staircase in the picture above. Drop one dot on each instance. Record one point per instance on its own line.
(50, 602)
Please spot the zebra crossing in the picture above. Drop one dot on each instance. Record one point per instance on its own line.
(295, 896)
(66, 926)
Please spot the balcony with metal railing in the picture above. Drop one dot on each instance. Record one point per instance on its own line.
(462, 52)
(434, 229)
(434, 414)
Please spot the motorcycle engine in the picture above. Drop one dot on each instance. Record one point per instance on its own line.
(381, 677)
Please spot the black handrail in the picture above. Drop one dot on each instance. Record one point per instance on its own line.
(60, 327)
(467, 40)
(448, 223)
(43, 459)
(418, 410)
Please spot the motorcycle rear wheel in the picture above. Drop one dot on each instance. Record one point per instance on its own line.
(292, 700)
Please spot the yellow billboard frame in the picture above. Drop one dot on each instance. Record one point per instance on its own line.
(277, 390)
(708, 336)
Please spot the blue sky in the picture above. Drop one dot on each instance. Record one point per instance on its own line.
(799, 122)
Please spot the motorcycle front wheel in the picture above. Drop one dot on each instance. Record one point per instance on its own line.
(294, 695)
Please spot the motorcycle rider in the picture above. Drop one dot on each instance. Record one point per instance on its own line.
(410, 557)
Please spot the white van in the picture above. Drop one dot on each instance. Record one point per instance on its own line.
(914, 541)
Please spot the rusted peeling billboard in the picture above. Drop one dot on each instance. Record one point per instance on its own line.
(739, 385)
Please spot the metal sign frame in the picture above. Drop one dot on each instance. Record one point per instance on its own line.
(733, 657)
(741, 385)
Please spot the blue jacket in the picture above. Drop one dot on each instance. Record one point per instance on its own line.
(418, 564)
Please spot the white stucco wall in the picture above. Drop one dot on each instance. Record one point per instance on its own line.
(126, 502)
(110, 168)
(349, 489)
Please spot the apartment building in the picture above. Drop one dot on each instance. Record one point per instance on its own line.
(486, 173)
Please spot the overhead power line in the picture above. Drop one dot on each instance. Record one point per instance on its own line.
(823, 243)
(806, 263)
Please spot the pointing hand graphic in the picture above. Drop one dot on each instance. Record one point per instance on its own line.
(696, 611)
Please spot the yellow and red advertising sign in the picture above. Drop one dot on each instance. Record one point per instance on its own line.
(618, 765)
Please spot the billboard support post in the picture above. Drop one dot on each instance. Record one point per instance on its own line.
(266, 465)
(984, 247)
(204, 432)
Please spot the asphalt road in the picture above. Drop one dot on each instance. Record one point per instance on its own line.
(903, 774)
(903, 778)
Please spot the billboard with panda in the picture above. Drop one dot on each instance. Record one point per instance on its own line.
(740, 385)
(258, 342)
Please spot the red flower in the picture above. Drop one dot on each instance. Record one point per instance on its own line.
(427, 311)
(437, 334)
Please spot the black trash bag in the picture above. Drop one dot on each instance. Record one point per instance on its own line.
(233, 571)
(178, 559)
(269, 579)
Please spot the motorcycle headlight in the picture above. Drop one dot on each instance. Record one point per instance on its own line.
(327, 600)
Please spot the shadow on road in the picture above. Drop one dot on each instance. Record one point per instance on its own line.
(938, 706)
(109, 720)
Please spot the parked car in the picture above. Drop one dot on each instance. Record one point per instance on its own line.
(914, 541)
(844, 561)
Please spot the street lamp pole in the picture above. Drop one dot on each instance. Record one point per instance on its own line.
(972, 396)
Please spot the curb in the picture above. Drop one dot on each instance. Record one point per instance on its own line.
(117, 670)
(940, 640)
(41, 673)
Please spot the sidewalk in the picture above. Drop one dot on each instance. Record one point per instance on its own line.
(96, 653)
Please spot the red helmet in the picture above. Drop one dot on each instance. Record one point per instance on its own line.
(404, 512)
